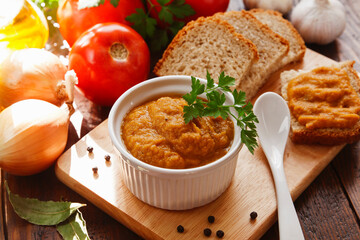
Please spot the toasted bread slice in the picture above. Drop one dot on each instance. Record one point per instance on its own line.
(284, 28)
(271, 48)
(326, 136)
(208, 44)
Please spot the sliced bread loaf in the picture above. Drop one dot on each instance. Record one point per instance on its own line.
(326, 135)
(271, 48)
(208, 44)
(284, 28)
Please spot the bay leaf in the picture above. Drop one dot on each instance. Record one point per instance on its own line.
(74, 228)
(41, 212)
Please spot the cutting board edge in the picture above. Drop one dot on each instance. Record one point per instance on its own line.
(105, 206)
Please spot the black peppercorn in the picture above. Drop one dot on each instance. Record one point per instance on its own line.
(219, 233)
(253, 215)
(90, 149)
(207, 232)
(180, 229)
(211, 219)
(107, 158)
(95, 170)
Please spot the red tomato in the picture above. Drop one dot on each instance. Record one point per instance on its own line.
(73, 22)
(108, 59)
(201, 7)
(206, 7)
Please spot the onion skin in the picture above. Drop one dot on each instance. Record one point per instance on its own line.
(33, 134)
(32, 74)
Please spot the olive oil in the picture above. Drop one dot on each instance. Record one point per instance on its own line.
(22, 25)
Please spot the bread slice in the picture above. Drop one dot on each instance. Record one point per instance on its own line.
(326, 136)
(284, 28)
(208, 44)
(271, 48)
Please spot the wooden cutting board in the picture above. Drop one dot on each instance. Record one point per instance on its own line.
(252, 188)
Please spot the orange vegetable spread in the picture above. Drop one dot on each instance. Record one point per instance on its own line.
(324, 98)
(156, 133)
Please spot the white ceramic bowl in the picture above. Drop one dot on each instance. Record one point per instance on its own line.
(173, 189)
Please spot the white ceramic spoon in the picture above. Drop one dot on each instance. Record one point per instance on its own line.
(273, 130)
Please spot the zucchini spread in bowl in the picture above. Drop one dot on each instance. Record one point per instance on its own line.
(207, 149)
(156, 133)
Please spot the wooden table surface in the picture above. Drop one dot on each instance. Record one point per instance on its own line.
(328, 209)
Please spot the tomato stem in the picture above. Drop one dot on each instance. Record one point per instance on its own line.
(118, 51)
(151, 7)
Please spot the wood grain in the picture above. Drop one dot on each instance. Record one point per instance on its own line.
(347, 167)
(332, 204)
(251, 189)
(2, 217)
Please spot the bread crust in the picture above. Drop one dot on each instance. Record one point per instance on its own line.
(263, 27)
(191, 25)
(295, 33)
(325, 136)
(271, 46)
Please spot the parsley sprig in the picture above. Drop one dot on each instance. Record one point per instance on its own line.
(214, 106)
(157, 34)
(49, 4)
(170, 13)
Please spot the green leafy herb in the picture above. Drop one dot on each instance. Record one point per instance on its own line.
(51, 4)
(169, 12)
(41, 212)
(214, 106)
(65, 215)
(74, 227)
(156, 33)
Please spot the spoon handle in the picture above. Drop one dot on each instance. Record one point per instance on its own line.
(289, 225)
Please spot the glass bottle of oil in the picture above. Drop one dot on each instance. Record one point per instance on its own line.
(22, 25)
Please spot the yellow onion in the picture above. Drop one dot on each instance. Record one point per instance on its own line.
(33, 74)
(33, 134)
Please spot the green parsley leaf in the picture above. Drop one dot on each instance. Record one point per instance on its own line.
(239, 97)
(166, 15)
(163, 2)
(144, 25)
(210, 81)
(175, 27)
(193, 111)
(159, 40)
(115, 3)
(159, 32)
(51, 4)
(225, 82)
(180, 9)
(214, 106)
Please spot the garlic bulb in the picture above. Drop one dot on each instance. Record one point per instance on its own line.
(33, 134)
(33, 73)
(319, 21)
(283, 6)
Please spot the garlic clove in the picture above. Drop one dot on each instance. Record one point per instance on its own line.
(249, 4)
(319, 21)
(283, 6)
(33, 134)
